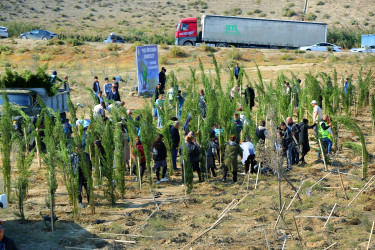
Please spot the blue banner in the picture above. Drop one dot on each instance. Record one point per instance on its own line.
(147, 68)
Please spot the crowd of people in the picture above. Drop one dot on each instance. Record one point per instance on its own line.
(291, 139)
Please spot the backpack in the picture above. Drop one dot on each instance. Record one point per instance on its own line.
(260, 134)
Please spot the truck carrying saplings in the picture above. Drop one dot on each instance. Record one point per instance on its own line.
(224, 31)
(26, 90)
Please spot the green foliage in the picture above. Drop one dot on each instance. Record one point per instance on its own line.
(27, 79)
(176, 52)
(108, 171)
(233, 12)
(119, 159)
(310, 17)
(6, 50)
(346, 37)
(50, 140)
(5, 143)
(204, 47)
(17, 28)
(148, 132)
(233, 54)
(364, 88)
(353, 126)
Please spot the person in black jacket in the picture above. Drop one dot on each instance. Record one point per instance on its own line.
(286, 143)
(176, 142)
(249, 96)
(78, 166)
(162, 78)
(5, 242)
(159, 152)
(193, 155)
(237, 71)
(114, 95)
(95, 85)
(304, 138)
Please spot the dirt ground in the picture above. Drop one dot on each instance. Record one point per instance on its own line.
(135, 223)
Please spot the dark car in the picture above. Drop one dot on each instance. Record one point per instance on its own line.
(114, 39)
(38, 34)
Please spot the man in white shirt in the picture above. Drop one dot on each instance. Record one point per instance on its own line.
(99, 110)
(248, 157)
(317, 116)
(317, 113)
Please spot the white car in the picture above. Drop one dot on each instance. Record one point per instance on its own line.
(321, 47)
(367, 49)
(3, 32)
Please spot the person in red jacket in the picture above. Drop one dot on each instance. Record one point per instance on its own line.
(141, 154)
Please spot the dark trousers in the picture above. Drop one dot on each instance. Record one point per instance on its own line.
(164, 172)
(250, 162)
(174, 158)
(211, 165)
(82, 182)
(142, 166)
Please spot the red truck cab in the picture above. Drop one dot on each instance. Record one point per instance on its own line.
(186, 33)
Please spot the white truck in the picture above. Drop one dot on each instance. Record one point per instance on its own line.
(224, 31)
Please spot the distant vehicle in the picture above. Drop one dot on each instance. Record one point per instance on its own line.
(245, 32)
(367, 49)
(112, 38)
(3, 32)
(321, 47)
(38, 34)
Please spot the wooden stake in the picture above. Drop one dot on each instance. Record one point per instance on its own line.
(323, 154)
(278, 217)
(139, 175)
(38, 152)
(299, 236)
(268, 244)
(369, 240)
(256, 182)
(360, 191)
(329, 216)
(312, 216)
(156, 204)
(295, 195)
(342, 184)
(330, 246)
(320, 180)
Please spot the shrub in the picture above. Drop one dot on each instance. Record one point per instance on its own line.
(233, 54)
(296, 51)
(17, 28)
(74, 42)
(288, 12)
(286, 57)
(371, 13)
(176, 52)
(346, 38)
(5, 50)
(353, 22)
(163, 46)
(347, 6)
(112, 47)
(233, 12)
(311, 17)
(320, 3)
(262, 15)
(46, 57)
(55, 42)
(257, 11)
(23, 50)
(206, 48)
(135, 45)
(163, 60)
(290, 5)
(326, 16)
(198, 3)
(309, 56)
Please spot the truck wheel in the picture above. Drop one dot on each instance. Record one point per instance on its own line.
(222, 45)
(188, 44)
(23, 37)
(44, 38)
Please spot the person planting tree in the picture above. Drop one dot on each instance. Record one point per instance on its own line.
(78, 159)
(232, 150)
(304, 138)
(193, 152)
(159, 152)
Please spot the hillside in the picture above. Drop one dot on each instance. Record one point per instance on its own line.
(97, 18)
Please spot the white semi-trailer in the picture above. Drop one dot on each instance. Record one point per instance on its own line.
(224, 31)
